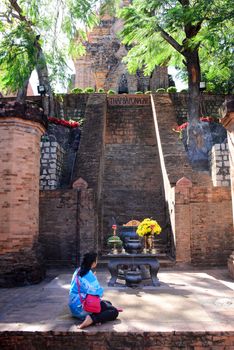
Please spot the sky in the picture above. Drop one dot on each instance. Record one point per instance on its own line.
(180, 85)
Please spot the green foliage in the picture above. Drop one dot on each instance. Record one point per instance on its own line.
(17, 57)
(101, 91)
(89, 90)
(76, 50)
(218, 64)
(77, 90)
(109, 6)
(139, 92)
(80, 120)
(173, 29)
(62, 26)
(171, 89)
(111, 92)
(160, 90)
(59, 98)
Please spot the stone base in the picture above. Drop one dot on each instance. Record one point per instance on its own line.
(231, 265)
(21, 268)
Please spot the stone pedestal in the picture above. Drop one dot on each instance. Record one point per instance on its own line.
(21, 127)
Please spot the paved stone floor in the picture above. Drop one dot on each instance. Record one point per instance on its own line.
(187, 300)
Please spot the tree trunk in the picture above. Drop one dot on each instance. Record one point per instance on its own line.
(194, 77)
(199, 139)
(41, 65)
(22, 93)
(43, 76)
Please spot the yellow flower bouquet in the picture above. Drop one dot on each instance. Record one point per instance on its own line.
(147, 227)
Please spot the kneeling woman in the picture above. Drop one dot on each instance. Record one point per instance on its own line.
(85, 282)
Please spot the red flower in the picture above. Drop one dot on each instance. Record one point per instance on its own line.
(207, 119)
(67, 123)
(179, 128)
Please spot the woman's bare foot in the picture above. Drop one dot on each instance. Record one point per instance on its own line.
(119, 309)
(87, 322)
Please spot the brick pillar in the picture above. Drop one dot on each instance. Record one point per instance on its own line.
(21, 127)
(227, 114)
(88, 222)
(183, 220)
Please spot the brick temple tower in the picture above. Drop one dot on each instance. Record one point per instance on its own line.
(21, 128)
(102, 66)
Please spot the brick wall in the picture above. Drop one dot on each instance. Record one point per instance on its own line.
(173, 156)
(19, 172)
(89, 159)
(200, 215)
(219, 164)
(230, 128)
(68, 140)
(71, 106)
(203, 216)
(68, 223)
(89, 162)
(69, 219)
(123, 165)
(21, 127)
(227, 120)
(52, 156)
(110, 340)
(210, 105)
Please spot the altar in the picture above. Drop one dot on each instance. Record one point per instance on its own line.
(133, 262)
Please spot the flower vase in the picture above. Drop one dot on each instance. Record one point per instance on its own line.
(153, 249)
(145, 245)
(149, 242)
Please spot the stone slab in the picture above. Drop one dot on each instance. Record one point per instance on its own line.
(188, 300)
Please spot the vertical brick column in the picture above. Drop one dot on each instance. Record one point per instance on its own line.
(89, 163)
(21, 127)
(183, 220)
(227, 114)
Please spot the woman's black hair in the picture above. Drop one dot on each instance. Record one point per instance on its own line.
(88, 260)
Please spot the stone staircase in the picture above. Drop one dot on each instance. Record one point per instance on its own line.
(132, 186)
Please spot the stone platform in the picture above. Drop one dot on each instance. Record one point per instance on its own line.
(191, 309)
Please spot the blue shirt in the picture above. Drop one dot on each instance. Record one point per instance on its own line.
(88, 285)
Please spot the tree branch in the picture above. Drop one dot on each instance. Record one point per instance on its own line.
(5, 17)
(184, 2)
(18, 10)
(192, 30)
(170, 39)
